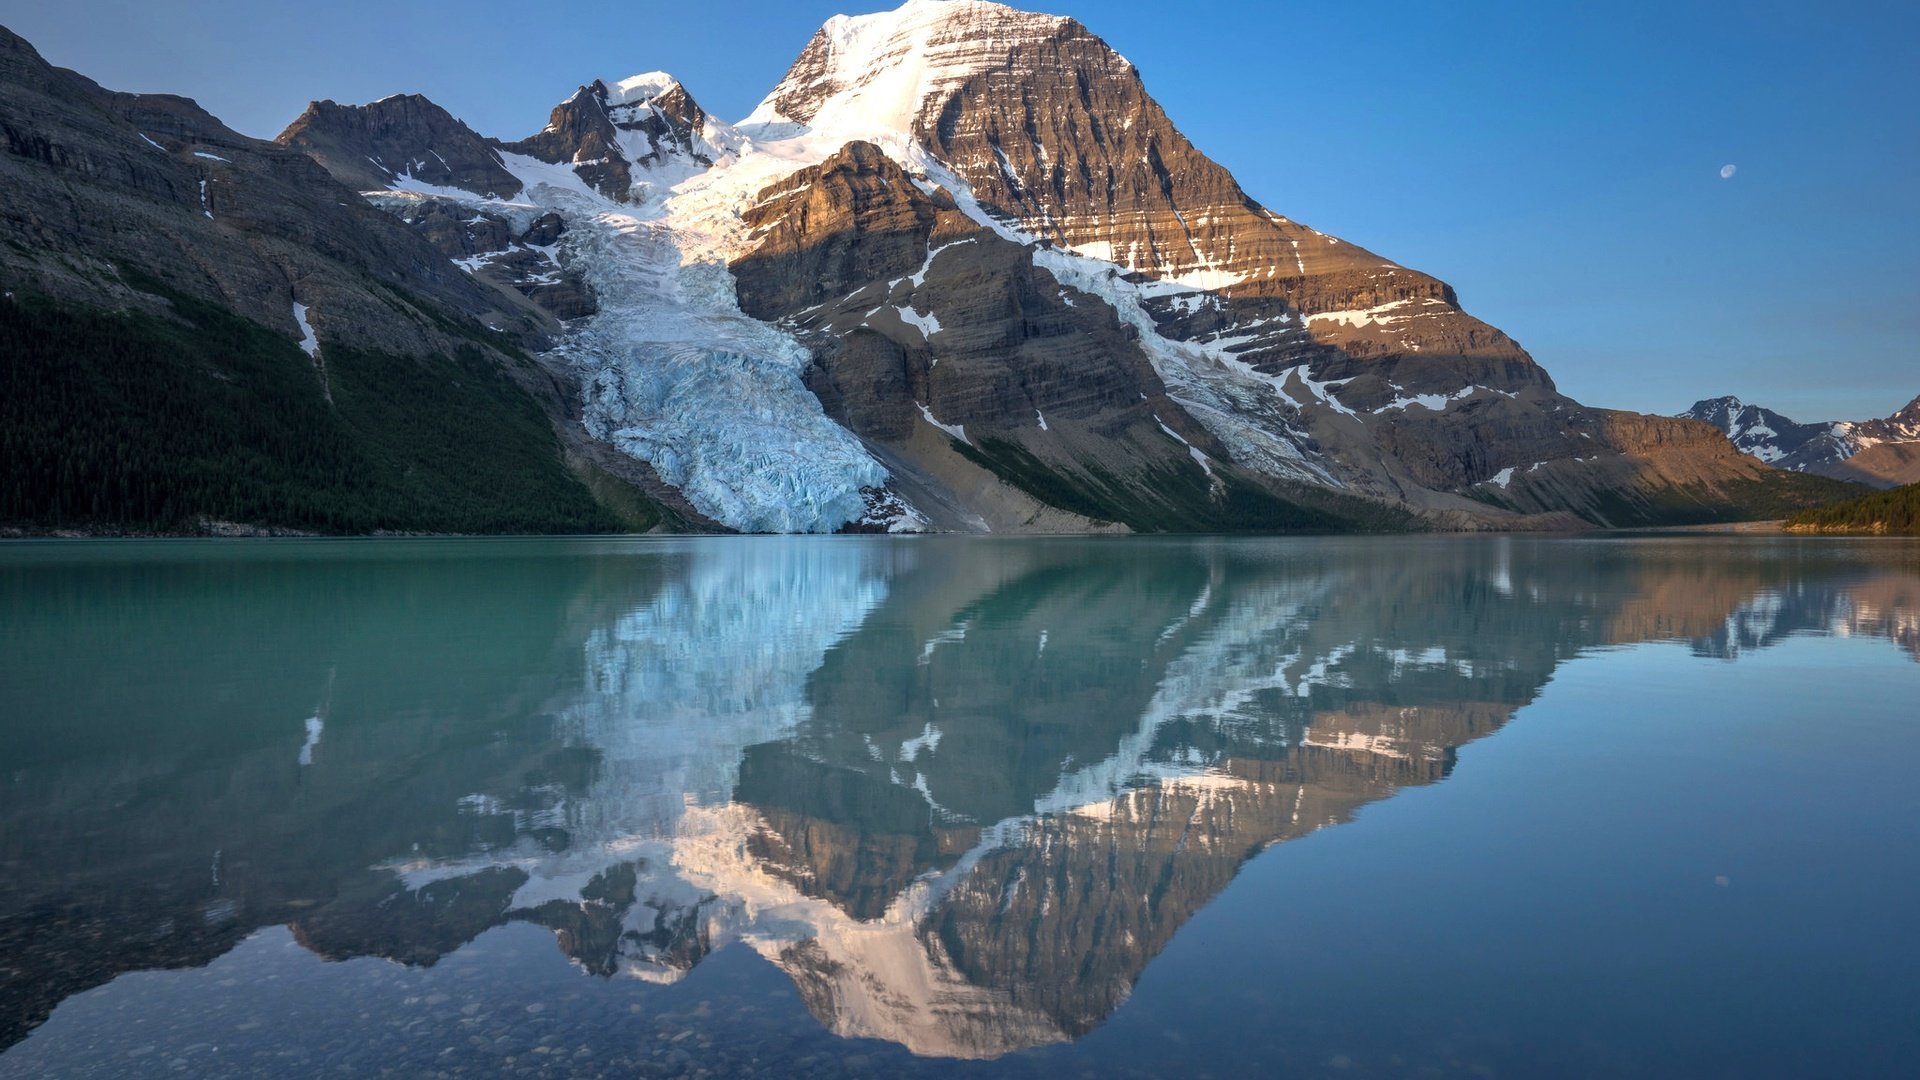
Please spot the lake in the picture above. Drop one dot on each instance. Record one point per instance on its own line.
(1478, 806)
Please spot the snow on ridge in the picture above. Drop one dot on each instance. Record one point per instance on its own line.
(1381, 315)
(883, 69)
(635, 89)
(1437, 402)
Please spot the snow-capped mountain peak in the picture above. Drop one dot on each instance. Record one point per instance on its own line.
(1826, 448)
(869, 74)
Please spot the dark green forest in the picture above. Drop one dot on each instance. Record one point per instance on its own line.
(1895, 512)
(138, 423)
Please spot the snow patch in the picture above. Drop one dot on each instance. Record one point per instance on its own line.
(309, 341)
(927, 324)
(1383, 315)
(958, 431)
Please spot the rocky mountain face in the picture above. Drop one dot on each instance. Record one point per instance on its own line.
(98, 181)
(605, 133)
(1883, 453)
(376, 146)
(943, 346)
(960, 272)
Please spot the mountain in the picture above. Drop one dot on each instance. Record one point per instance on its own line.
(202, 330)
(959, 271)
(1882, 453)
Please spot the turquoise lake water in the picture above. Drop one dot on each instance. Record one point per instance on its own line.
(1485, 806)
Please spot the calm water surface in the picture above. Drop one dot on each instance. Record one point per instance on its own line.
(872, 807)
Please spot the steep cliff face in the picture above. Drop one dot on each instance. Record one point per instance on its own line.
(1054, 132)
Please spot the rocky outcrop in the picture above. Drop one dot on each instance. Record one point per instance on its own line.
(495, 249)
(607, 132)
(404, 139)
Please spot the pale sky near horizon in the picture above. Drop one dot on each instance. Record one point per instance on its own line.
(1561, 166)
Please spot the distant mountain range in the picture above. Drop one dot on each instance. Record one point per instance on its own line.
(1883, 453)
(957, 272)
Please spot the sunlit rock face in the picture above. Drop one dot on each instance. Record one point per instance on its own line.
(1055, 131)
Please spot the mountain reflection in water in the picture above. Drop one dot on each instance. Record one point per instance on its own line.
(961, 792)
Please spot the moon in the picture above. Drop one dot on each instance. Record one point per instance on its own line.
(1727, 171)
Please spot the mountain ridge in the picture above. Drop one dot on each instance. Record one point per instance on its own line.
(1883, 452)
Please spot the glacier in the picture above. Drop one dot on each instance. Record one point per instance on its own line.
(673, 373)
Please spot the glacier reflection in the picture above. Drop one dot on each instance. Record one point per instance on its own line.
(961, 792)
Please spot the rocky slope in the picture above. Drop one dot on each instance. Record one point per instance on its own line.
(1882, 453)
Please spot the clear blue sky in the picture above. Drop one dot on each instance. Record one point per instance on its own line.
(1558, 163)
